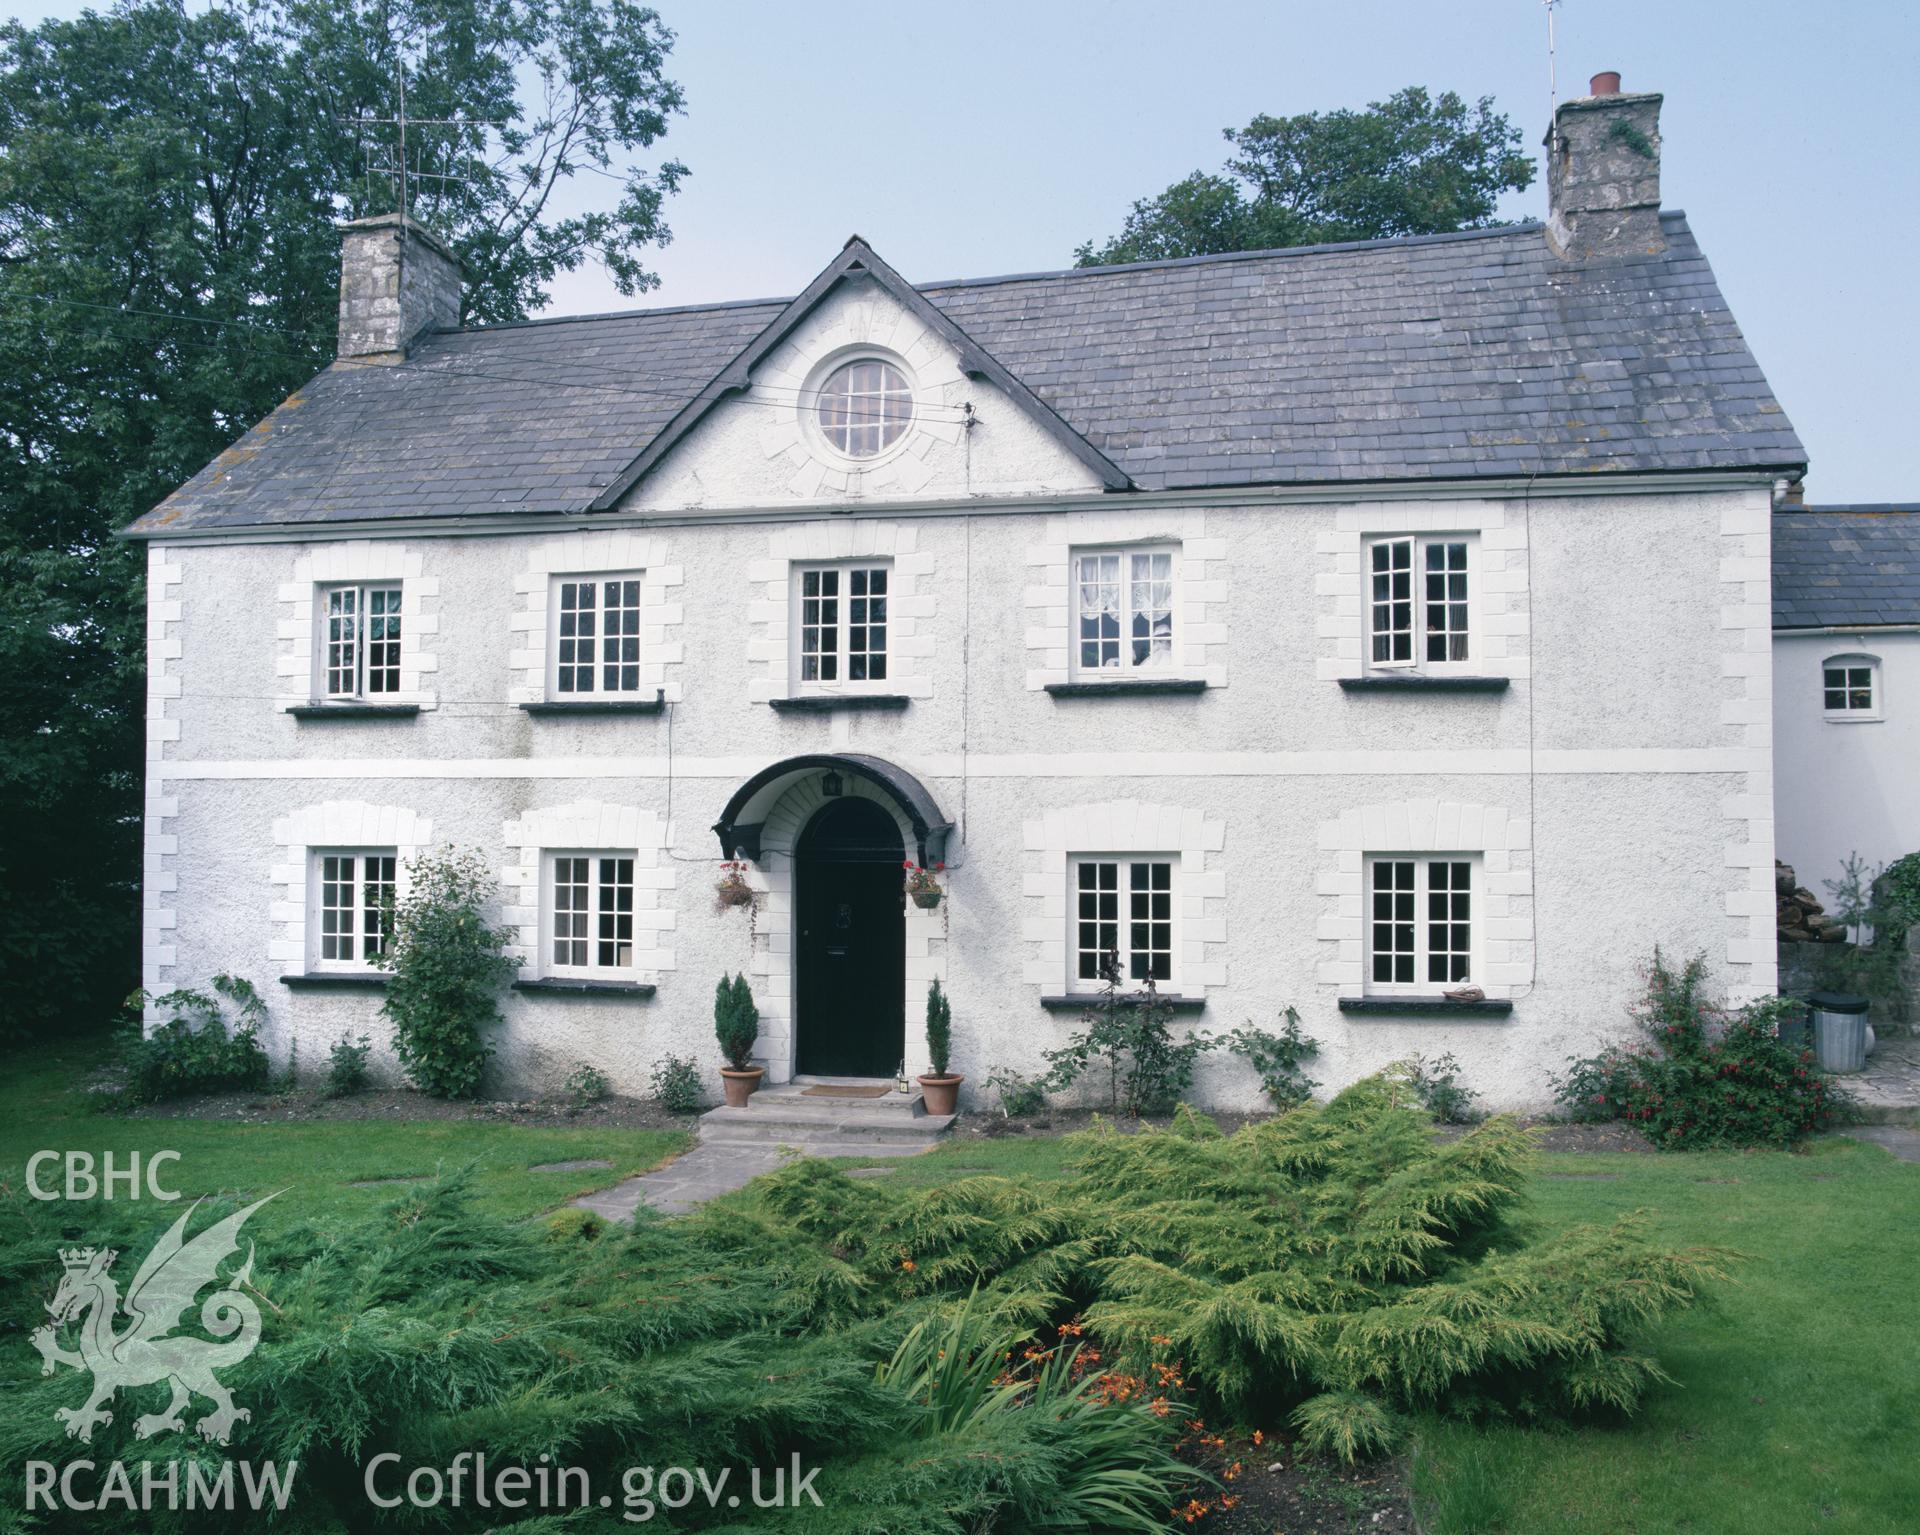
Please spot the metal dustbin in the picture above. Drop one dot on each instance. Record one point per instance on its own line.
(1839, 1031)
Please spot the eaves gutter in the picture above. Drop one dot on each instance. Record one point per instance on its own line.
(1315, 493)
(1822, 631)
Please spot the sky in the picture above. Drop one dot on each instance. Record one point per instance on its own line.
(995, 136)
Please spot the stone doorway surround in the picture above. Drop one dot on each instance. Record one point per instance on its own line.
(762, 825)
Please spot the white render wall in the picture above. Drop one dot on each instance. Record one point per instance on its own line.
(1845, 786)
(1619, 792)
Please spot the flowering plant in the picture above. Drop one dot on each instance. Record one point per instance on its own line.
(923, 884)
(733, 889)
(1707, 1075)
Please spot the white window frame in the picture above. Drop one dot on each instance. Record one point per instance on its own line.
(598, 581)
(1123, 863)
(872, 416)
(323, 668)
(843, 572)
(1422, 950)
(1127, 580)
(1417, 661)
(1853, 660)
(364, 911)
(596, 909)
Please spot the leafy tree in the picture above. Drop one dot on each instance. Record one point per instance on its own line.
(169, 272)
(1410, 165)
(447, 962)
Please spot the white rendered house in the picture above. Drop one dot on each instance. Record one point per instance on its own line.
(1332, 628)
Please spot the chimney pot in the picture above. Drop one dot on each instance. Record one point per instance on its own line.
(397, 282)
(1606, 83)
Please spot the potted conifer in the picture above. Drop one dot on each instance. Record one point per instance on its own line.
(939, 1087)
(736, 1023)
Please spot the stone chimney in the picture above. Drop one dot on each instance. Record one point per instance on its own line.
(396, 282)
(1603, 174)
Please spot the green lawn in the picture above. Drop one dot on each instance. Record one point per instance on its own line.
(317, 1162)
(1798, 1389)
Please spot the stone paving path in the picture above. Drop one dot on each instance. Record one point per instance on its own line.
(1889, 1089)
(1901, 1141)
(714, 1168)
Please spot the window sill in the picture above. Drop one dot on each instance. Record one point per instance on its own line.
(1421, 682)
(1128, 687)
(834, 703)
(1079, 1002)
(340, 980)
(352, 711)
(592, 706)
(1852, 719)
(1487, 1007)
(568, 986)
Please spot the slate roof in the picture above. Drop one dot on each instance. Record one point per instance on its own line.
(1444, 356)
(1846, 567)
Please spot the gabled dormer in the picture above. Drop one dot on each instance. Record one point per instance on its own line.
(860, 390)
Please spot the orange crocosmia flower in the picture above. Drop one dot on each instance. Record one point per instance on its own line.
(906, 1265)
(1259, 1438)
(1162, 1339)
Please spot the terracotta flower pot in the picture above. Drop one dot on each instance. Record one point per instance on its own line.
(926, 900)
(739, 1086)
(941, 1093)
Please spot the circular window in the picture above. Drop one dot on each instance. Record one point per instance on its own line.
(865, 407)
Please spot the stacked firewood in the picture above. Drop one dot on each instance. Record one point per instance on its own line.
(1800, 917)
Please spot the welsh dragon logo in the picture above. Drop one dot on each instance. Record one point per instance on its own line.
(148, 1350)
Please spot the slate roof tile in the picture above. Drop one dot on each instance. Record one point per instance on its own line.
(1838, 567)
(1473, 354)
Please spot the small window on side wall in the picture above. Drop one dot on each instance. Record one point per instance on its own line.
(1420, 603)
(1850, 688)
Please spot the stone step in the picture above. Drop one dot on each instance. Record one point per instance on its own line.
(791, 1123)
(788, 1095)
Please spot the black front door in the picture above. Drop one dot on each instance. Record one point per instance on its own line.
(851, 952)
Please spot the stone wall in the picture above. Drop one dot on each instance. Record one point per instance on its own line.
(396, 280)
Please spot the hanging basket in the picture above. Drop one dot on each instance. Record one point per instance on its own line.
(923, 889)
(733, 889)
